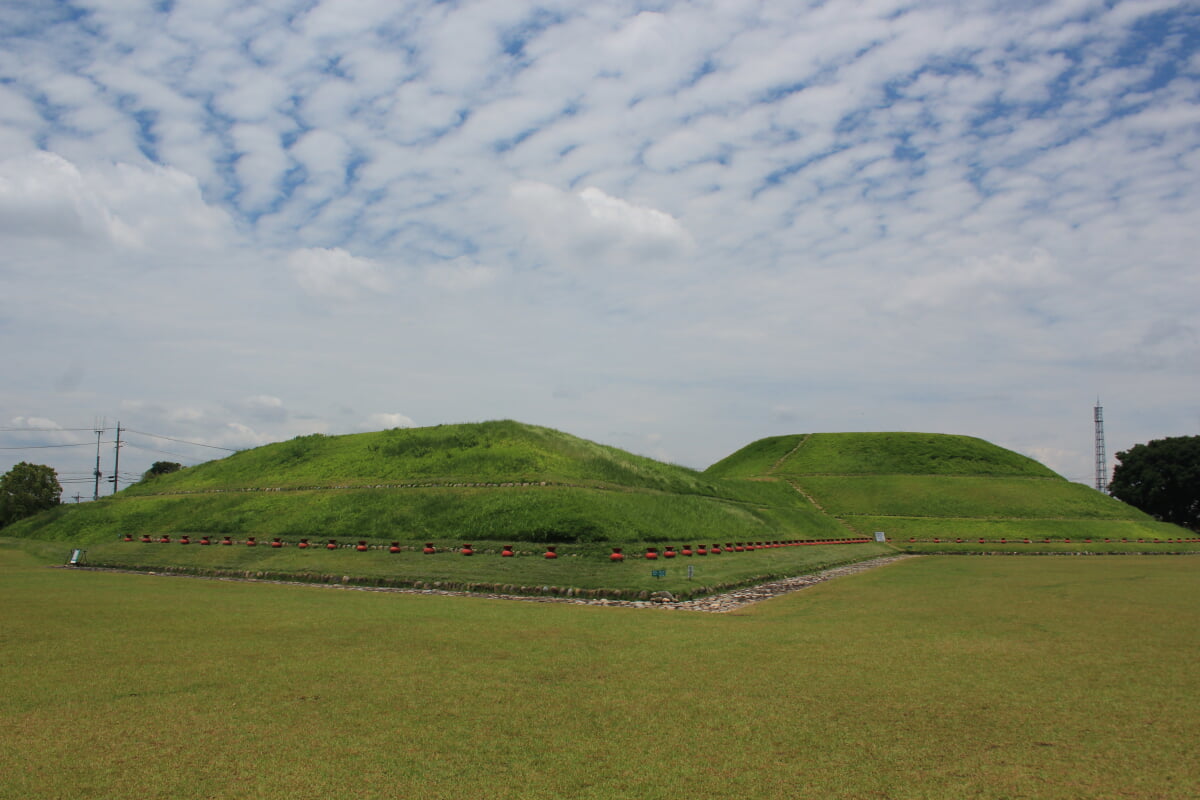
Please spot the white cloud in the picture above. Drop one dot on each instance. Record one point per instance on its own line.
(334, 273)
(461, 274)
(385, 421)
(591, 227)
(981, 279)
(43, 195)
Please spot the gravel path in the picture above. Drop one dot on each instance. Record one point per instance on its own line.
(716, 604)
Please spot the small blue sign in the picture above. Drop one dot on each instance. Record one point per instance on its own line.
(658, 573)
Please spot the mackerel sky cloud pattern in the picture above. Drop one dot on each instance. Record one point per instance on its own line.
(673, 227)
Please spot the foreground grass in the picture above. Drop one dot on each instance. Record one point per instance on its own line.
(932, 678)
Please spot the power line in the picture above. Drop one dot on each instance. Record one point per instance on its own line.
(44, 430)
(181, 441)
(47, 446)
(153, 450)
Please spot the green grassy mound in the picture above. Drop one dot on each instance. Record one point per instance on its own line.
(965, 496)
(510, 514)
(495, 481)
(935, 485)
(488, 452)
(876, 454)
(510, 483)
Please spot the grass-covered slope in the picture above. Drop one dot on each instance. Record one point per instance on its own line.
(487, 481)
(876, 454)
(488, 452)
(936, 485)
(509, 481)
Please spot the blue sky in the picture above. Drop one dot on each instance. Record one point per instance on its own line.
(670, 227)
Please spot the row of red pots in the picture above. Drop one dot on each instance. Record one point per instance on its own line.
(652, 553)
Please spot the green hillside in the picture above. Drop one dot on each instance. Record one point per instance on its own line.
(488, 452)
(876, 454)
(913, 485)
(507, 481)
(488, 481)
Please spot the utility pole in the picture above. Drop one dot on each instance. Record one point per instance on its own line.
(96, 473)
(77, 496)
(1101, 458)
(116, 459)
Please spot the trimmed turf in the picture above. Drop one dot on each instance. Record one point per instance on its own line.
(876, 454)
(965, 496)
(931, 678)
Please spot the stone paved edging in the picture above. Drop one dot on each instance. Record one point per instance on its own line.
(718, 603)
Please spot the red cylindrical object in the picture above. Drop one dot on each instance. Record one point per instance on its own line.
(164, 539)
(276, 542)
(466, 550)
(361, 547)
(127, 538)
(332, 545)
(701, 550)
(184, 540)
(146, 537)
(715, 549)
(395, 548)
(550, 551)
(250, 542)
(669, 552)
(651, 553)
(616, 555)
(507, 552)
(303, 544)
(429, 549)
(687, 550)
(205, 540)
(227, 540)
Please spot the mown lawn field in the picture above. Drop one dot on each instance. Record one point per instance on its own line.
(935, 677)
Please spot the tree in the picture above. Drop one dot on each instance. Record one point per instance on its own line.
(27, 489)
(1161, 478)
(161, 468)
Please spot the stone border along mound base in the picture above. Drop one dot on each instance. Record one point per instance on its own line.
(717, 603)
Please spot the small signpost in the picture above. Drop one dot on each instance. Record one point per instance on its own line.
(880, 536)
(658, 573)
(76, 558)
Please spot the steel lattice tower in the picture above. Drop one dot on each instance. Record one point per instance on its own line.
(1101, 458)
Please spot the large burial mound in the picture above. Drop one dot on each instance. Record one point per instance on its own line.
(510, 481)
(935, 485)
(499, 481)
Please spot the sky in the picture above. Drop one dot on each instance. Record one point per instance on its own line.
(670, 227)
